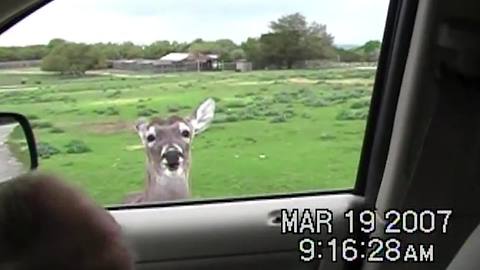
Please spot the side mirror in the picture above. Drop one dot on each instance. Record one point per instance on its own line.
(18, 153)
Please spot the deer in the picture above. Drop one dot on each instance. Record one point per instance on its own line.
(167, 143)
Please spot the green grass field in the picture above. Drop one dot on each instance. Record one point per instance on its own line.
(308, 124)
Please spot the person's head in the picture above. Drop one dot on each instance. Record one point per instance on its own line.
(46, 224)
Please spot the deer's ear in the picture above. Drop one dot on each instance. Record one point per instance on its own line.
(141, 127)
(203, 116)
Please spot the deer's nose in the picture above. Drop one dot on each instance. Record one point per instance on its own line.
(173, 158)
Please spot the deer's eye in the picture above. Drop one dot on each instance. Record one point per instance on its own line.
(186, 134)
(150, 138)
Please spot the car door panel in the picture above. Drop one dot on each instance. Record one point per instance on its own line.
(230, 235)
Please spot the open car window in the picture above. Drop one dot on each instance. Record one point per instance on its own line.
(177, 100)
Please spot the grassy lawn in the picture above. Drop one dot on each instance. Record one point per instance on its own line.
(308, 124)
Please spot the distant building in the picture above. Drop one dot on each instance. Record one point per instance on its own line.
(204, 61)
(243, 65)
(20, 64)
(172, 62)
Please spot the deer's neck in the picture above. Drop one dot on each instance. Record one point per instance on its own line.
(165, 186)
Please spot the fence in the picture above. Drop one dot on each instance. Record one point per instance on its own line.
(20, 64)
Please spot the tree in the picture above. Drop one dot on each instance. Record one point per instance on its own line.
(253, 53)
(55, 42)
(128, 50)
(157, 49)
(349, 56)
(293, 39)
(73, 58)
(370, 51)
(222, 47)
(237, 54)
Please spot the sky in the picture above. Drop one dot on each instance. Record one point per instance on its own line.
(145, 21)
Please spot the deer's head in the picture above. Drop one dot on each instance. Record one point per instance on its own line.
(167, 141)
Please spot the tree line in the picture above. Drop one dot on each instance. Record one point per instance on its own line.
(291, 38)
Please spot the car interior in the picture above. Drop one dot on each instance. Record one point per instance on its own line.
(420, 152)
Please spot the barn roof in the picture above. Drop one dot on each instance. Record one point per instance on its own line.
(175, 57)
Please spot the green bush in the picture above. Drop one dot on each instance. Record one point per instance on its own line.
(232, 118)
(289, 113)
(272, 113)
(219, 110)
(147, 112)
(350, 114)
(173, 109)
(278, 119)
(41, 125)
(236, 104)
(326, 137)
(57, 130)
(305, 116)
(46, 150)
(115, 94)
(222, 118)
(283, 97)
(317, 102)
(361, 103)
(107, 111)
(31, 117)
(76, 147)
(185, 85)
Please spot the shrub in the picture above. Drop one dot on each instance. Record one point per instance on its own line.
(222, 118)
(32, 117)
(116, 93)
(326, 137)
(278, 119)
(289, 113)
(271, 113)
(77, 147)
(111, 111)
(258, 98)
(349, 114)
(232, 118)
(46, 150)
(147, 112)
(41, 125)
(282, 97)
(236, 104)
(24, 81)
(38, 82)
(247, 115)
(219, 109)
(317, 102)
(306, 116)
(361, 103)
(173, 109)
(185, 85)
(57, 130)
